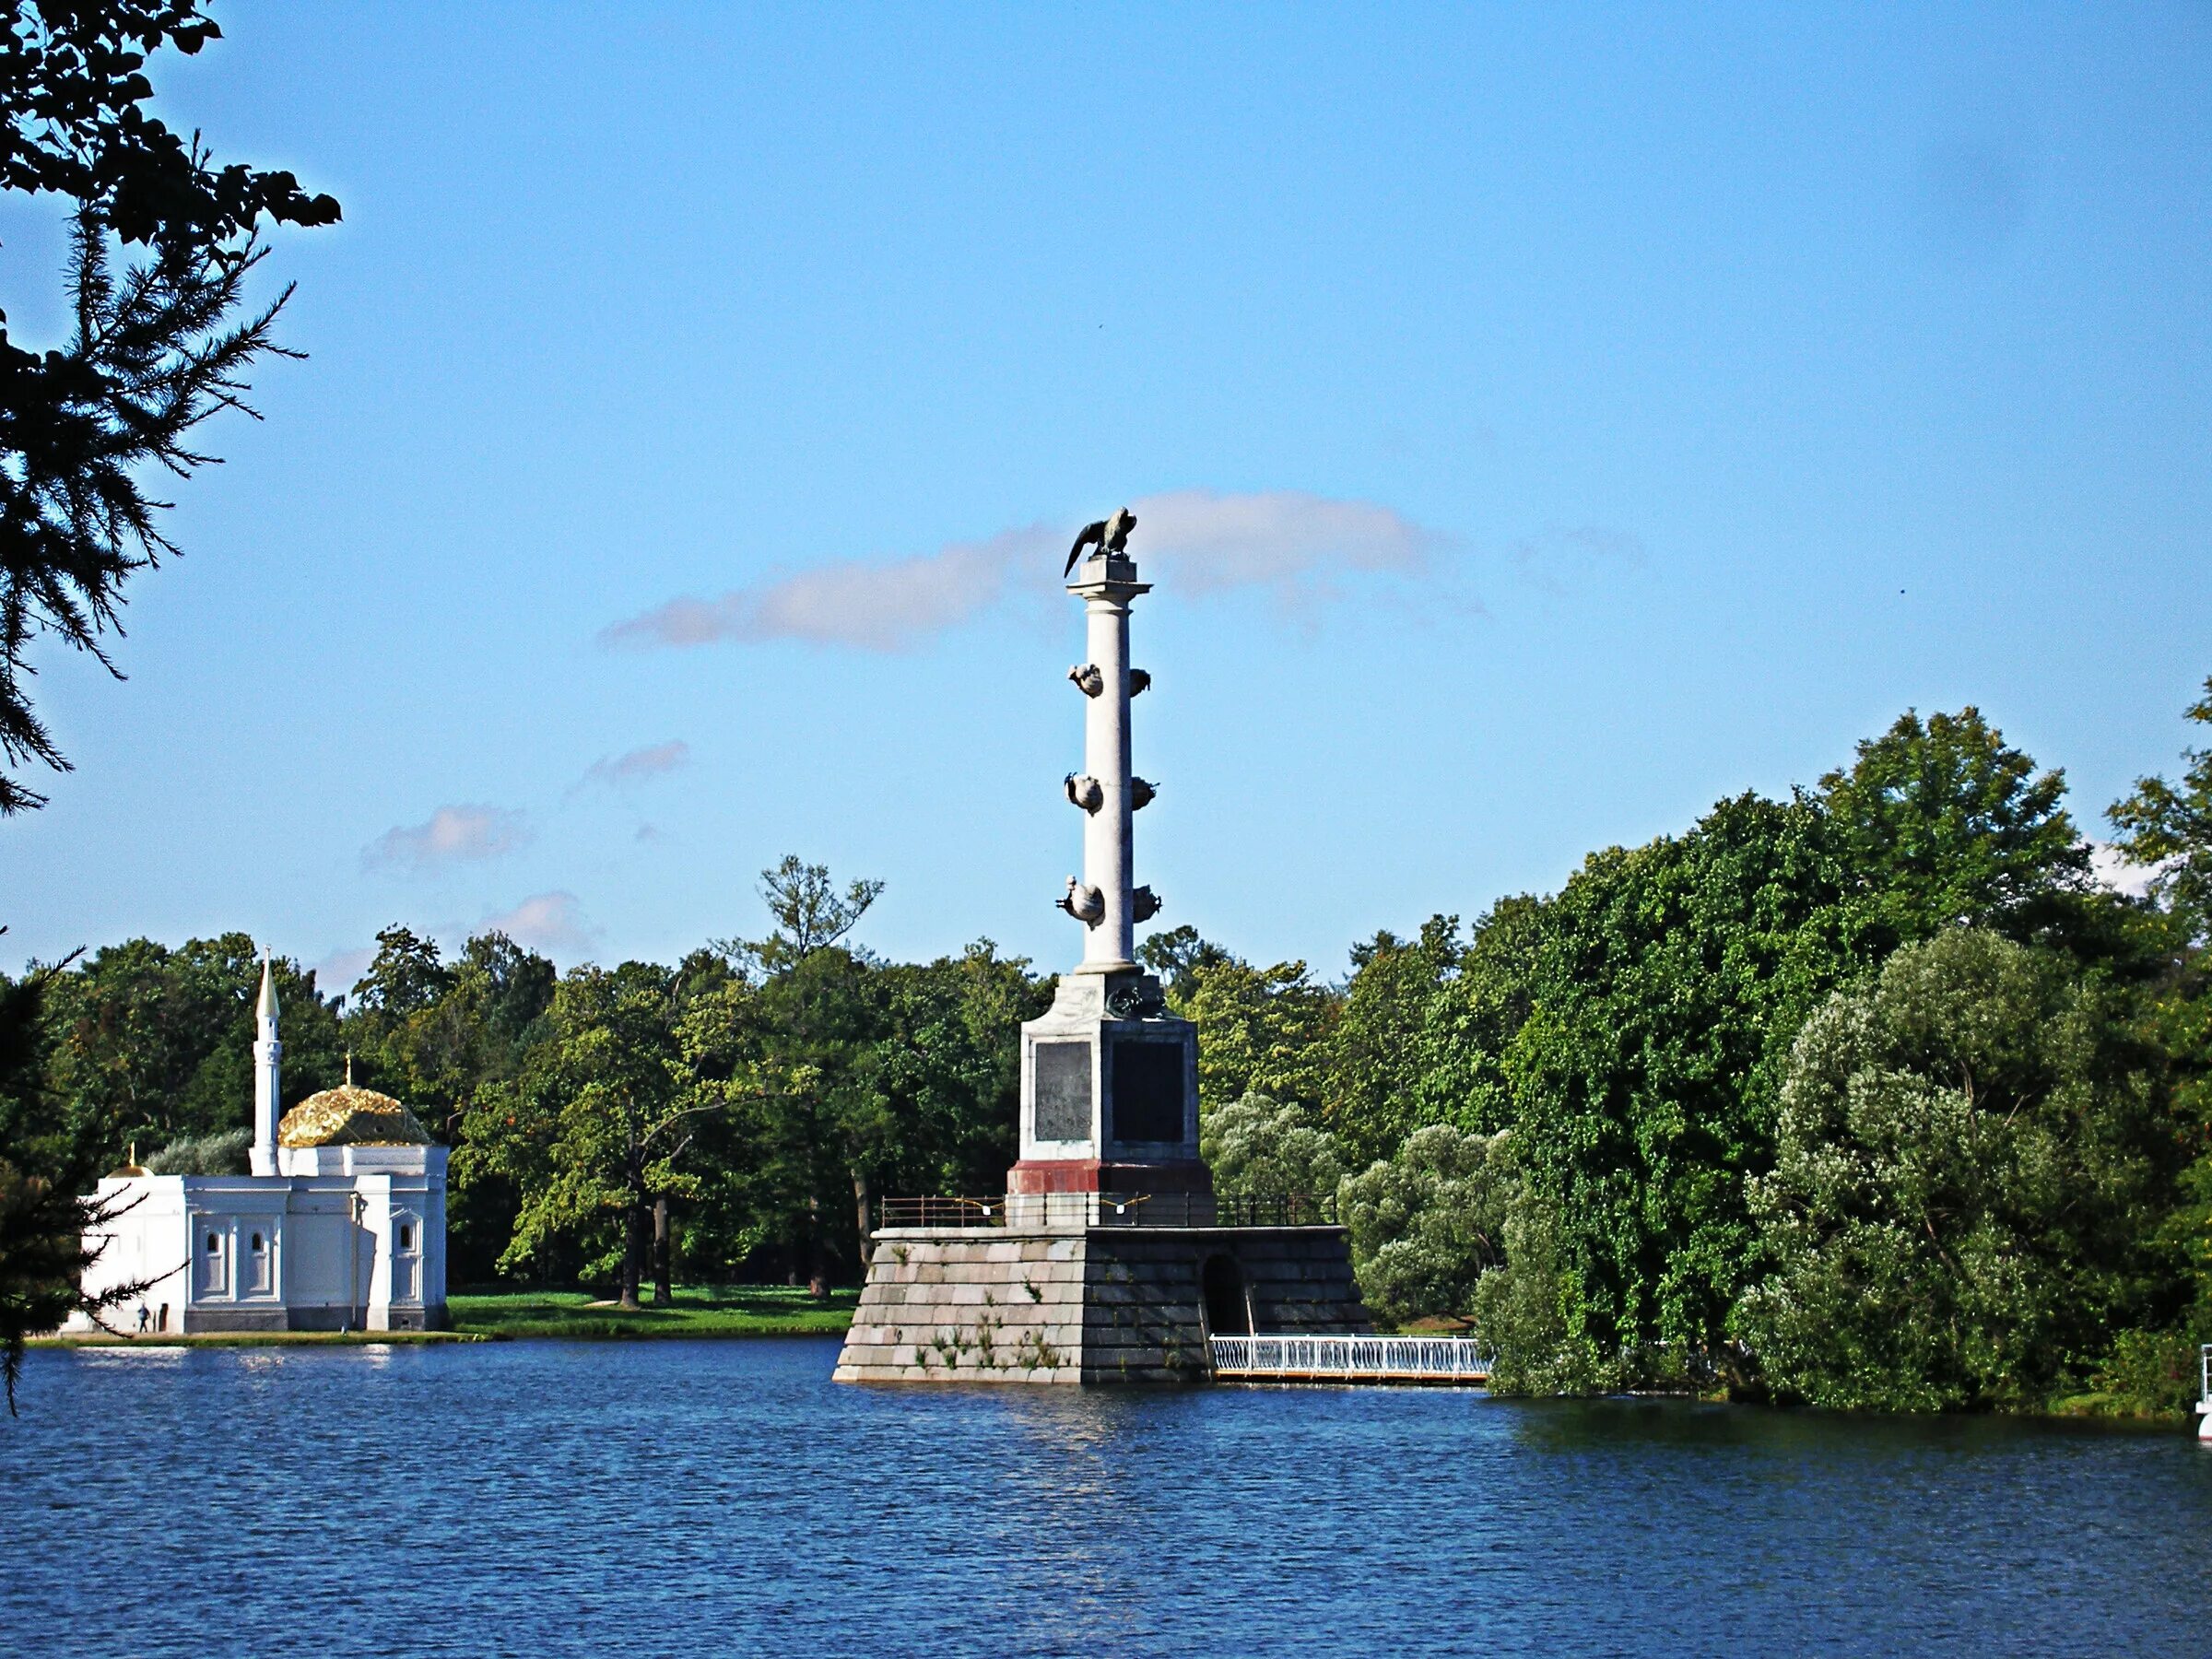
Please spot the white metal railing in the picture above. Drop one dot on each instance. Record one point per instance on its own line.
(2204, 1381)
(1446, 1358)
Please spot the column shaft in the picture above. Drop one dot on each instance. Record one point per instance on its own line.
(1107, 859)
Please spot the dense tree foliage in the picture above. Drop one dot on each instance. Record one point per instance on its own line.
(1964, 1188)
(1865, 1097)
(2166, 829)
(1635, 1031)
(151, 1045)
(1428, 1221)
(1261, 1150)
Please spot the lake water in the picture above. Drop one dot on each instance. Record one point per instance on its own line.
(725, 1497)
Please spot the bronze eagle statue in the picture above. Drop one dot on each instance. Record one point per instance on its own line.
(1109, 536)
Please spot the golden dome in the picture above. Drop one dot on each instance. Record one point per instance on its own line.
(351, 1116)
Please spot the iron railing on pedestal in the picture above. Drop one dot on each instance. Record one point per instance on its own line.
(1276, 1209)
(941, 1212)
(1104, 1209)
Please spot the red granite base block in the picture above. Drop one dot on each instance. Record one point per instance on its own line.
(1095, 1175)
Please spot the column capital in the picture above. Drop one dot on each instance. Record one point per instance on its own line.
(1110, 578)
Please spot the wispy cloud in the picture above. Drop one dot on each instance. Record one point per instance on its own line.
(1290, 542)
(452, 835)
(551, 923)
(639, 764)
(885, 605)
(1283, 539)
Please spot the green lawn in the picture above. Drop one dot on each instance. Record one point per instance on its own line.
(700, 1311)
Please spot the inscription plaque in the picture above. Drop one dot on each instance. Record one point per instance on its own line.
(1063, 1097)
(1147, 1091)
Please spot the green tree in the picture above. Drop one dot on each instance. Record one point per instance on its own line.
(599, 1126)
(155, 349)
(435, 1034)
(1943, 822)
(1260, 1030)
(1427, 1222)
(1519, 1308)
(1261, 1150)
(404, 977)
(1378, 1047)
(43, 1216)
(819, 1014)
(1179, 957)
(1666, 989)
(2166, 829)
(150, 1044)
(808, 911)
(1474, 1015)
(948, 1063)
(1965, 1175)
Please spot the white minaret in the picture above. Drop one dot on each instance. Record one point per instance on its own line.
(268, 1061)
(1105, 901)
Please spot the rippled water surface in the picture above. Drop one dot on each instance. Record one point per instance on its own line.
(725, 1497)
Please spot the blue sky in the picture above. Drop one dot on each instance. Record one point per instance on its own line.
(1552, 420)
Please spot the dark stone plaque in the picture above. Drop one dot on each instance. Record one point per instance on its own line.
(1062, 1109)
(1147, 1091)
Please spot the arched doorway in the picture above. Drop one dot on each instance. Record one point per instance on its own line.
(1227, 1309)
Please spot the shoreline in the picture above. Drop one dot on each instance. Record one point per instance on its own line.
(407, 1338)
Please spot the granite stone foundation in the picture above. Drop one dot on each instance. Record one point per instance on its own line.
(1098, 1304)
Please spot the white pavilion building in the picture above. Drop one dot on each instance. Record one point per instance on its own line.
(339, 1226)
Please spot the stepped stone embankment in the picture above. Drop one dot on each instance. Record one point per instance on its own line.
(1100, 1304)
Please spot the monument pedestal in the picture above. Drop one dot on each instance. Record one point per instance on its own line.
(1088, 1304)
(1109, 1267)
(1109, 1104)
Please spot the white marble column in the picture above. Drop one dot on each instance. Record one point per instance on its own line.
(1107, 585)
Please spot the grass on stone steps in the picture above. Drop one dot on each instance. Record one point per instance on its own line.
(699, 1311)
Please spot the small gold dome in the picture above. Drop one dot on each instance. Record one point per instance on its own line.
(351, 1116)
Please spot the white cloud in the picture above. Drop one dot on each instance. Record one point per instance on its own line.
(1280, 538)
(2110, 867)
(874, 606)
(551, 923)
(1289, 541)
(639, 764)
(452, 835)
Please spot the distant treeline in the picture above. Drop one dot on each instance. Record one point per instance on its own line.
(1872, 1097)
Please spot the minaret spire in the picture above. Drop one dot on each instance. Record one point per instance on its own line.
(268, 1065)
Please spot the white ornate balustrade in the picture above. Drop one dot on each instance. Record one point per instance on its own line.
(1289, 1359)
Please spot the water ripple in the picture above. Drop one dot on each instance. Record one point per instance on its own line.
(543, 1498)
